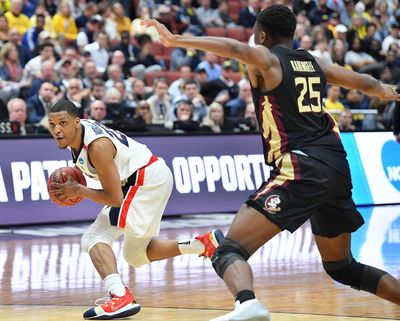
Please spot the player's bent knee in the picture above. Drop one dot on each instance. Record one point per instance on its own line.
(136, 257)
(226, 254)
(89, 240)
(357, 275)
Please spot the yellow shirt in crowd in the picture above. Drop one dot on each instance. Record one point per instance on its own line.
(123, 24)
(22, 22)
(65, 26)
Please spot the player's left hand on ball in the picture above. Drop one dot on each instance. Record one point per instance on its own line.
(65, 191)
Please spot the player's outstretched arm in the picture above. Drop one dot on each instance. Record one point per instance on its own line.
(337, 75)
(258, 56)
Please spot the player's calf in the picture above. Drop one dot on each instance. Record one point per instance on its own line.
(357, 275)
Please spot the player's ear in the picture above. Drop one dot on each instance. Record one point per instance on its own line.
(77, 122)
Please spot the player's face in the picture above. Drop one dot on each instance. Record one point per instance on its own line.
(65, 129)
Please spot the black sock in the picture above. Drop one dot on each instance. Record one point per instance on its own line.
(245, 295)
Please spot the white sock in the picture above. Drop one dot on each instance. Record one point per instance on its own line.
(114, 284)
(192, 246)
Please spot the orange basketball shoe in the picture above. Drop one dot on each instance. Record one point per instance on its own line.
(210, 240)
(114, 307)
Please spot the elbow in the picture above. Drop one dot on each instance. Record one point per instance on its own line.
(117, 200)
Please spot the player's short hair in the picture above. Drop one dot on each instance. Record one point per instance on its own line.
(278, 21)
(65, 105)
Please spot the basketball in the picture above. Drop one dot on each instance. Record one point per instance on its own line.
(59, 176)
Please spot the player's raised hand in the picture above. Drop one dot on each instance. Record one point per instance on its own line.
(166, 37)
(389, 93)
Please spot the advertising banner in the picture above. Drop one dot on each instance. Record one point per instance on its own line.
(212, 174)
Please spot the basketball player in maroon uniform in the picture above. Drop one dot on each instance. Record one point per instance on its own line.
(310, 177)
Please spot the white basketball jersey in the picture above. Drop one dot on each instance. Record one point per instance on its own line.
(130, 155)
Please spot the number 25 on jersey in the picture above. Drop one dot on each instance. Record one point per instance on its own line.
(308, 94)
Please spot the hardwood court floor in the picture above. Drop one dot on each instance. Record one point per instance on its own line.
(49, 279)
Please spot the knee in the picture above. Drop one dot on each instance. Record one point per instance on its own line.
(226, 254)
(136, 257)
(89, 240)
(354, 274)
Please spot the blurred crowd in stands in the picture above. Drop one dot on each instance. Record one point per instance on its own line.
(97, 54)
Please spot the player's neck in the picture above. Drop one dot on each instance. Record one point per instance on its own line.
(76, 144)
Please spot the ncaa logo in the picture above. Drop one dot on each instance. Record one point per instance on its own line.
(81, 161)
(271, 204)
(391, 162)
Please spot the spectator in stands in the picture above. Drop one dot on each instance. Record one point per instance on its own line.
(211, 66)
(17, 112)
(160, 102)
(129, 50)
(110, 26)
(321, 51)
(186, 15)
(30, 38)
(357, 58)
(15, 17)
(90, 9)
(143, 111)
(128, 99)
(176, 87)
(306, 42)
(201, 78)
(97, 90)
(140, 91)
(78, 95)
(145, 62)
(183, 118)
(70, 54)
(381, 120)
(23, 52)
(33, 66)
(90, 73)
(3, 30)
(212, 88)
(393, 37)
(215, 120)
(137, 29)
(338, 51)
(10, 67)
(207, 15)
(114, 73)
(118, 58)
(183, 56)
(65, 73)
(389, 64)
(86, 35)
(332, 103)
(251, 117)
(355, 100)
(64, 25)
(97, 111)
(224, 19)
(192, 94)
(358, 28)
(41, 9)
(38, 104)
(47, 74)
(237, 106)
(248, 14)
(123, 22)
(345, 121)
(99, 51)
(341, 33)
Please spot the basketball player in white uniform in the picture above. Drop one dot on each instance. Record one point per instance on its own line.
(136, 187)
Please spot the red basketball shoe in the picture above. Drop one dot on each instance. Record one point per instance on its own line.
(114, 307)
(210, 240)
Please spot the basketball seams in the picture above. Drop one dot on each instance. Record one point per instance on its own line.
(59, 176)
